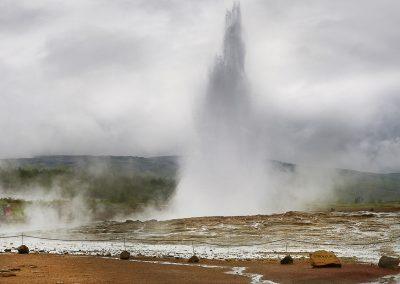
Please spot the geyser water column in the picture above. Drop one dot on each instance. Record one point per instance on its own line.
(223, 173)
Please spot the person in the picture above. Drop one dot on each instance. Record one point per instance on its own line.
(8, 211)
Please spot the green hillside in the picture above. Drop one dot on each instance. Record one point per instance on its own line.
(112, 185)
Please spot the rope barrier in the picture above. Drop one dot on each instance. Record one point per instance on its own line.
(351, 244)
(7, 237)
(194, 242)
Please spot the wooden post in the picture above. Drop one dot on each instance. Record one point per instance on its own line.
(286, 241)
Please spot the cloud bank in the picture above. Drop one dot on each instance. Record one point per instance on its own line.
(124, 77)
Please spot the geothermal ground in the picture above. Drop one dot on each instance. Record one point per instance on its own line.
(361, 235)
(48, 268)
(235, 249)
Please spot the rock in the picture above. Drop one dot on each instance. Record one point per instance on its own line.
(323, 258)
(7, 274)
(108, 254)
(23, 249)
(287, 260)
(125, 255)
(7, 250)
(388, 262)
(15, 269)
(194, 259)
(32, 266)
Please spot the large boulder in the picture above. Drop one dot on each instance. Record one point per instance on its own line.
(125, 255)
(287, 260)
(23, 249)
(323, 258)
(388, 262)
(194, 259)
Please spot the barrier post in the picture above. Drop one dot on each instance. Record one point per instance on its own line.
(286, 241)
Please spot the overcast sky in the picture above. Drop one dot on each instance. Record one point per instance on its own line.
(123, 77)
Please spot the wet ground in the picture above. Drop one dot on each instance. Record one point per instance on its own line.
(363, 236)
(51, 268)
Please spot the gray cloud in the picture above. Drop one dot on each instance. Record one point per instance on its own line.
(124, 77)
(18, 17)
(82, 51)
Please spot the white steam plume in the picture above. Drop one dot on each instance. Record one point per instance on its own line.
(224, 172)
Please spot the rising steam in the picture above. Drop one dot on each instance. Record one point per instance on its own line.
(224, 171)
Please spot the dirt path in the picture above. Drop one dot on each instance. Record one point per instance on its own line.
(47, 268)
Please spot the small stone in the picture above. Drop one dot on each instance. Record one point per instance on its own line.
(194, 259)
(7, 250)
(108, 254)
(23, 249)
(32, 266)
(15, 269)
(125, 255)
(388, 262)
(287, 260)
(7, 274)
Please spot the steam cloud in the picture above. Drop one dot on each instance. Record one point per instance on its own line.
(225, 164)
(226, 172)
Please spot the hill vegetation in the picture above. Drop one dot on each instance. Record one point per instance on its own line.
(110, 186)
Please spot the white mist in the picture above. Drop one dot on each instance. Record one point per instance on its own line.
(224, 171)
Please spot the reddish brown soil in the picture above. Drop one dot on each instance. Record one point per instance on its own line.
(301, 272)
(82, 269)
(46, 268)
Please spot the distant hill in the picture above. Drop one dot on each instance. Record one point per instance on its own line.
(350, 185)
(164, 166)
(358, 187)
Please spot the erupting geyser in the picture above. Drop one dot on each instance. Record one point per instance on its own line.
(223, 174)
